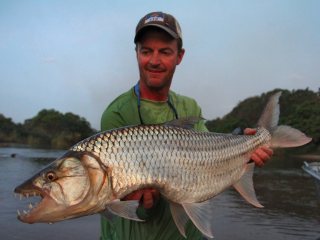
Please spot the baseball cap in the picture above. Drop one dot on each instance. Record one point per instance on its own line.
(161, 20)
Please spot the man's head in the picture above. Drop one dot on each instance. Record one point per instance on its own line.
(160, 20)
(159, 50)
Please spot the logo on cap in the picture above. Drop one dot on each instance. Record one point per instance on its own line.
(155, 17)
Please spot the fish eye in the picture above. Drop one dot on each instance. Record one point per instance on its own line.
(51, 176)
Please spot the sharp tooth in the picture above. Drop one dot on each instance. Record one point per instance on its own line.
(30, 206)
(27, 195)
(21, 196)
(18, 212)
(25, 212)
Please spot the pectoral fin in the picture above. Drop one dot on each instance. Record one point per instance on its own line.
(201, 214)
(245, 186)
(108, 215)
(179, 216)
(125, 209)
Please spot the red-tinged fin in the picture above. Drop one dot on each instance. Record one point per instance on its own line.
(281, 136)
(201, 214)
(285, 136)
(245, 186)
(179, 216)
(125, 209)
(270, 115)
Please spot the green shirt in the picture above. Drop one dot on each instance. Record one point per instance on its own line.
(123, 111)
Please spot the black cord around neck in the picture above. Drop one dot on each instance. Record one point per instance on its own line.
(136, 89)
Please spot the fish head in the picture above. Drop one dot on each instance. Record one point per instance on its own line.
(75, 185)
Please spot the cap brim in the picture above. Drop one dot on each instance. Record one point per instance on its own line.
(166, 29)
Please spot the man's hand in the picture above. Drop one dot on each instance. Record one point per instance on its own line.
(147, 197)
(262, 154)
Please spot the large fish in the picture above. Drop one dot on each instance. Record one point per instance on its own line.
(188, 167)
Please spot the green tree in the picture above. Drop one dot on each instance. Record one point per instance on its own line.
(7, 129)
(51, 128)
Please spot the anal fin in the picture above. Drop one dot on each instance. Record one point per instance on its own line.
(201, 214)
(245, 186)
(179, 216)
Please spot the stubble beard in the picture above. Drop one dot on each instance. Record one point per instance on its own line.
(157, 85)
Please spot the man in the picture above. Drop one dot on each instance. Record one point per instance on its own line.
(159, 50)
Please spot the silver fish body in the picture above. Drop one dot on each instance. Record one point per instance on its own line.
(185, 165)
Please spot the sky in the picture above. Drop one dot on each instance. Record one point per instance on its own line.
(77, 56)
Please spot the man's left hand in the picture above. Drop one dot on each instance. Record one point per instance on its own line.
(146, 196)
(262, 154)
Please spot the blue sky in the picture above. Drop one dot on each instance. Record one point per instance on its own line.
(77, 56)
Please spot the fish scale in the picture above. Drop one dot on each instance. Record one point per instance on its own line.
(184, 164)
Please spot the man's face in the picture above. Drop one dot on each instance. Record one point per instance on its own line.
(158, 56)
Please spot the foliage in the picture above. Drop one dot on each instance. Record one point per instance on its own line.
(298, 108)
(52, 129)
(49, 129)
(7, 129)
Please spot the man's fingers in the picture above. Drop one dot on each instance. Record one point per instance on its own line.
(267, 150)
(147, 199)
(261, 155)
(155, 194)
(249, 131)
(257, 160)
(136, 195)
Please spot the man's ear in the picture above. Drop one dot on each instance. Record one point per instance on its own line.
(136, 49)
(180, 55)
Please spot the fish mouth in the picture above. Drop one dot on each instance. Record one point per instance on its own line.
(32, 213)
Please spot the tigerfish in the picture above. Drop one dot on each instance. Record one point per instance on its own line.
(188, 167)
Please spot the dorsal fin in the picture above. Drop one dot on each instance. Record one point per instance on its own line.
(187, 122)
(270, 115)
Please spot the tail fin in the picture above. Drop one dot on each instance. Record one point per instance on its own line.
(282, 136)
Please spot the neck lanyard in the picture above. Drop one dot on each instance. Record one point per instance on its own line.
(137, 92)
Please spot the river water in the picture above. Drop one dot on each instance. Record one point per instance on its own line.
(292, 208)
